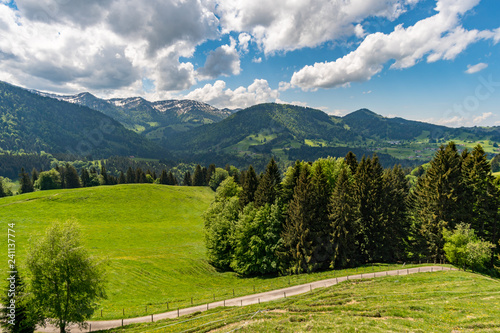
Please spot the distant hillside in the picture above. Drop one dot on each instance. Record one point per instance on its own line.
(154, 120)
(292, 132)
(34, 123)
(271, 125)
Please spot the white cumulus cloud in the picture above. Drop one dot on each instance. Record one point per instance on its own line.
(297, 24)
(471, 69)
(439, 37)
(224, 60)
(220, 96)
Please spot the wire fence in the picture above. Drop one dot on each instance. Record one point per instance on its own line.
(221, 294)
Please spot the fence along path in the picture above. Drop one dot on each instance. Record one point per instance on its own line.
(245, 300)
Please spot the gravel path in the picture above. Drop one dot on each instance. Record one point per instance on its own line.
(245, 300)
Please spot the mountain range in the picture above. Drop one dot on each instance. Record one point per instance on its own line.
(192, 131)
(154, 120)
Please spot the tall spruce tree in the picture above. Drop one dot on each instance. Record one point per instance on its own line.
(321, 230)
(121, 178)
(71, 178)
(130, 175)
(26, 185)
(171, 179)
(269, 188)
(188, 181)
(210, 172)
(85, 177)
(482, 195)
(351, 161)
(396, 215)
(164, 177)
(290, 181)
(438, 202)
(343, 219)
(250, 185)
(298, 245)
(104, 174)
(34, 175)
(198, 179)
(369, 199)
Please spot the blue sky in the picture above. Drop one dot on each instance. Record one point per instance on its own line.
(435, 61)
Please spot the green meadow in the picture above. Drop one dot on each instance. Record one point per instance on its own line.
(152, 236)
(448, 301)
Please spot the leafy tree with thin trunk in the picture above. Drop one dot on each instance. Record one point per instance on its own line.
(66, 282)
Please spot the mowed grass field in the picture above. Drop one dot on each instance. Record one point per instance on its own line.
(153, 237)
(447, 301)
(151, 234)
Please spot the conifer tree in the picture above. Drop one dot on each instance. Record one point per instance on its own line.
(351, 161)
(210, 172)
(34, 175)
(171, 179)
(104, 174)
(482, 195)
(269, 188)
(204, 174)
(396, 215)
(297, 230)
(250, 185)
(121, 178)
(187, 179)
(368, 195)
(71, 178)
(26, 185)
(130, 175)
(198, 179)
(343, 219)
(84, 176)
(320, 224)
(438, 201)
(290, 181)
(164, 177)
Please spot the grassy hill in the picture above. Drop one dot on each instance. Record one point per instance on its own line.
(153, 237)
(448, 301)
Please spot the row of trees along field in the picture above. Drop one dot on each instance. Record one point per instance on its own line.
(67, 177)
(336, 213)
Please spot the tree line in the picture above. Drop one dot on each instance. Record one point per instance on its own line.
(67, 177)
(344, 212)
